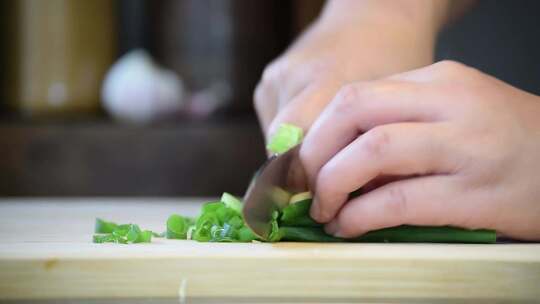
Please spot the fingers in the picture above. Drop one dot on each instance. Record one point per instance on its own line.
(424, 201)
(266, 105)
(437, 72)
(304, 108)
(390, 150)
(358, 108)
(280, 83)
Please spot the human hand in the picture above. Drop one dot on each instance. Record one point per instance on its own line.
(351, 41)
(466, 145)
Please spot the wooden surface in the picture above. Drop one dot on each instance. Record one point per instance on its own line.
(46, 253)
(103, 158)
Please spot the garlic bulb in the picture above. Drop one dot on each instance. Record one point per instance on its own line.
(137, 90)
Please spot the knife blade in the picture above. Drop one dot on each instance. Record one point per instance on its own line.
(268, 191)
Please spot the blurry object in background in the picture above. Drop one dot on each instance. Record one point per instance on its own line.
(108, 159)
(204, 103)
(133, 25)
(57, 54)
(219, 41)
(499, 38)
(137, 90)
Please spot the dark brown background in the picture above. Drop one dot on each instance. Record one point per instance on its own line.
(95, 156)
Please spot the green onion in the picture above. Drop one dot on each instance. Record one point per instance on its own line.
(297, 225)
(400, 234)
(177, 227)
(109, 232)
(286, 137)
(302, 196)
(103, 226)
(222, 221)
(293, 212)
(231, 201)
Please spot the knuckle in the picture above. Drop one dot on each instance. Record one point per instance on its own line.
(326, 179)
(449, 65)
(259, 96)
(348, 92)
(276, 71)
(375, 142)
(350, 225)
(306, 155)
(397, 202)
(269, 73)
(273, 75)
(455, 69)
(346, 97)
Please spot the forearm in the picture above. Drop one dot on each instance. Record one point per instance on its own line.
(352, 40)
(425, 16)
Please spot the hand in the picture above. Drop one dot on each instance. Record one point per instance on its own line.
(466, 146)
(352, 40)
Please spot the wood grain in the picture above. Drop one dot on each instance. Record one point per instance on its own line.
(45, 253)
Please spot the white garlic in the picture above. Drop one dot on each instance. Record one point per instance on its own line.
(137, 90)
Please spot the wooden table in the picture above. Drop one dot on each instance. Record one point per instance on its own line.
(46, 254)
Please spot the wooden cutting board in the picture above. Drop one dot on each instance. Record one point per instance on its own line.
(46, 253)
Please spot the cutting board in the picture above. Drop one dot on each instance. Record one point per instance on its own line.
(46, 253)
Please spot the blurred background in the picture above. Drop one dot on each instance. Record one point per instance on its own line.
(154, 98)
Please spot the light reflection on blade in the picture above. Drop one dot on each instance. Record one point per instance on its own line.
(267, 192)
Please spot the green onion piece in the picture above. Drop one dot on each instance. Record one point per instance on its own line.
(103, 226)
(306, 234)
(416, 234)
(177, 227)
(246, 235)
(302, 196)
(301, 221)
(400, 234)
(109, 232)
(275, 233)
(219, 222)
(133, 233)
(300, 227)
(145, 237)
(286, 137)
(104, 238)
(231, 201)
(293, 212)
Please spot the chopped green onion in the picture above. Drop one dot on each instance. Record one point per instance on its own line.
(109, 232)
(103, 226)
(293, 212)
(231, 201)
(275, 234)
(177, 227)
(302, 196)
(222, 221)
(286, 137)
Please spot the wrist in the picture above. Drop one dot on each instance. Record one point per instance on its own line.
(424, 17)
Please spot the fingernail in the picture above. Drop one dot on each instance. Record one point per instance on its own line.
(332, 228)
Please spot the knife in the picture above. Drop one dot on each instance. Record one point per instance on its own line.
(267, 192)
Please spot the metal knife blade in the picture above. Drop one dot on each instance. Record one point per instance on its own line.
(265, 192)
